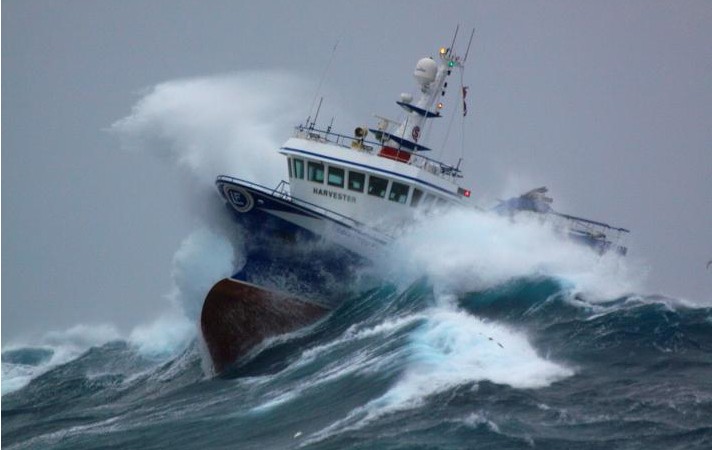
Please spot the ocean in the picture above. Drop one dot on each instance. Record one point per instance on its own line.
(527, 363)
(477, 333)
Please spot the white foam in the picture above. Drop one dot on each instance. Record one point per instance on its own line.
(204, 258)
(454, 348)
(166, 337)
(66, 345)
(470, 250)
(475, 420)
(205, 126)
(358, 332)
(229, 124)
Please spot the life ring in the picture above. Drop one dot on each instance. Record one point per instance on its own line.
(240, 199)
(415, 133)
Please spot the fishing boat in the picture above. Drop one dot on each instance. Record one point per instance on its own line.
(346, 198)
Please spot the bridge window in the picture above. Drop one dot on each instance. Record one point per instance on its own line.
(336, 177)
(315, 172)
(356, 181)
(377, 186)
(298, 168)
(399, 192)
(417, 195)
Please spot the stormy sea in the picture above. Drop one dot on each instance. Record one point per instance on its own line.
(472, 358)
(471, 332)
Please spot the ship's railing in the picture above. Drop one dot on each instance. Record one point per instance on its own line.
(430, 165)
(596, 234)
(282, 191)
(591, 226)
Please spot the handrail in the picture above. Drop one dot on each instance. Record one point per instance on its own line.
(445, 170)
(592, 222)
(281, 191)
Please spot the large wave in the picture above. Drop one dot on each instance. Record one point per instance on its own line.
(481, 328)
(233, 124)
(203, 127)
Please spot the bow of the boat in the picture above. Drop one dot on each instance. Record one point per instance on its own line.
(237, 316)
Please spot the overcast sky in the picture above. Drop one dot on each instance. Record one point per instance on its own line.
(607, 103)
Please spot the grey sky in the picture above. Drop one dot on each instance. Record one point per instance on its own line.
(607, 103)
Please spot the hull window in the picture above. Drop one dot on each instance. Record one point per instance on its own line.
(315, 172)
(377, 186)
(336, 177)
(356, 181)
(417, 196)
(399, 192)
(299, 169)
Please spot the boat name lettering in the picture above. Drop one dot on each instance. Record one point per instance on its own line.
(335, 195)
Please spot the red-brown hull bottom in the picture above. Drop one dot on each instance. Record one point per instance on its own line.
(237, 316)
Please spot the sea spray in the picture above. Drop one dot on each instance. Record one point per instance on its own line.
(205, 126)
(203, 259)
(229, 124)
(450, 348)
(20, 361)
(467, 250)
(404, 368)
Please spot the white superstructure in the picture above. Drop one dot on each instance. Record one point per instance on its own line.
(379, 182)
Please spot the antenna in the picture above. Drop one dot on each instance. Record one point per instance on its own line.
(452, 45)
(467, 52)
(317, 112)
(323, 75)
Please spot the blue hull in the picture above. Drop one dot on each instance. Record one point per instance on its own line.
(285, 256)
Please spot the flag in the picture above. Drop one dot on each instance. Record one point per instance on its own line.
(464, 103)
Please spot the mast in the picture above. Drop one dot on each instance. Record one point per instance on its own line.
(431, 76)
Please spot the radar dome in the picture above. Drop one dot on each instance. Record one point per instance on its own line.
(425, 71)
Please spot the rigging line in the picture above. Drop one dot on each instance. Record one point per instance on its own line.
(462, 90)
(323, 75)
(447, 131)
(462, 142)
(428, 129)
(456, 110)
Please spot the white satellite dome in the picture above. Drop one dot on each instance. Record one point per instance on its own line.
(425, 71)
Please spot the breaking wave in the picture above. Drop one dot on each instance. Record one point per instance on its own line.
(527, 362)
(481, 330)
